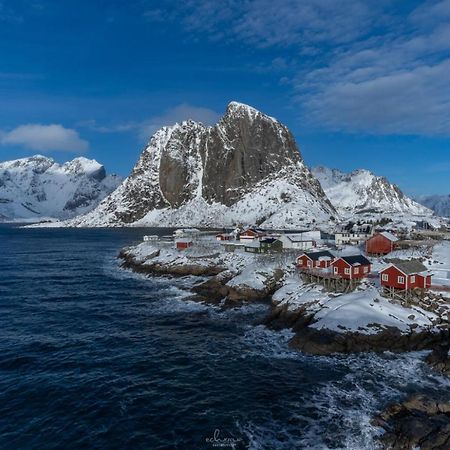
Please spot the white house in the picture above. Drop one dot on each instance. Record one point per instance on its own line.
(151, 237)
(354, 234)
(297, 241)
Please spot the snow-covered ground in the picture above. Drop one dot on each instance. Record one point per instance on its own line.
(439, 263)
(363, 310)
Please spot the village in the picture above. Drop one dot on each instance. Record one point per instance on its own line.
(357, 254)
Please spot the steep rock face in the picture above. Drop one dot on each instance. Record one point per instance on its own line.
(247, 167)
(439, 204)
(38, 188)
(362, 191)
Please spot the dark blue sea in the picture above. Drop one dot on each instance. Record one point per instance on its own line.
(92, 356)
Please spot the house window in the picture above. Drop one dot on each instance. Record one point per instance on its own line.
(385, 277)
(300, 262)
(366, 269)
(317, 263)
(413, 279)
(309, 264)
(347, 271)
(356, 270)
(401, 280)
(335, 270)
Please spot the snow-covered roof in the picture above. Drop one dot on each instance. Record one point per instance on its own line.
(389, 236)
(183, 241)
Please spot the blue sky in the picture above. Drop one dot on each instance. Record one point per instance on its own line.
(362, 84)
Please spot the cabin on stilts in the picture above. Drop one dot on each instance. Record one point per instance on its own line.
(405, 280)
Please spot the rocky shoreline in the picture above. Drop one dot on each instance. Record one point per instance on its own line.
(217, 290)
(417, 422)
(326, 342)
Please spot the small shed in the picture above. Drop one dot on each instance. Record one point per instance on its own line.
(224, 237)
(381, 243)
(252, 248)
(183, 244)
(403, 275)
(319, 260)
(251, 234)
(351, 267)
(297, 241)
(270, 244)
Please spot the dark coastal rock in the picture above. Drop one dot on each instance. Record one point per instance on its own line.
(439, 359)
(326, 342)
(216, 290)
(281, 317)
(181, 270)
(419, 422)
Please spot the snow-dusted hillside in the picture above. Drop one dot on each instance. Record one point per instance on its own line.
(246, 168)
(362, 192)
(439, 204)
(38, 188)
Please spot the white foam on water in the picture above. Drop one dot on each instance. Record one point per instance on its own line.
(337, 413)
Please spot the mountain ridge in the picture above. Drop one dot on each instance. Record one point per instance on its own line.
(224, 168)
(38, 188)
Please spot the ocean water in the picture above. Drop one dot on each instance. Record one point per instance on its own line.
(92, 356)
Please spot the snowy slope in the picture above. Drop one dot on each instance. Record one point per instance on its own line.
(245, 169)
(439, 204)
(363, 192)
(38, 188)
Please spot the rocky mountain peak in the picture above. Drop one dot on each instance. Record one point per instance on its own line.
(218, 166)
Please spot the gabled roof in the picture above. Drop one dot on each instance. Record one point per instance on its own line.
(355, 260)
(389, 236)
(268, 240)
(254, 230)
(410, 267)
(315, 256)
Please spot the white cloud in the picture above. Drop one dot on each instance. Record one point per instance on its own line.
(179, 113)
(44, 138)
(148, 127)
(373, 66)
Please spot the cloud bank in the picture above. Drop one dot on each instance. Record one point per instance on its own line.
(44, 138)
(371, 66)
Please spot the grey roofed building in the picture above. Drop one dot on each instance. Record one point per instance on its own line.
(408, 267)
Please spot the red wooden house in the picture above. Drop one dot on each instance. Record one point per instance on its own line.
(183, 244)
(252, 233)
(381, 243)
(312, 260)
(351, 267)
(403, 275)
(223, 237)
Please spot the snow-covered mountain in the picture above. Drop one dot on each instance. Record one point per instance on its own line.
(246, 168)
(439, 204)
(362, 192)
(38, 188)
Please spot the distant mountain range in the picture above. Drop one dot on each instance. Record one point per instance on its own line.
(38, 188)
(246, 169)
(440, 204)
(362, 192)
